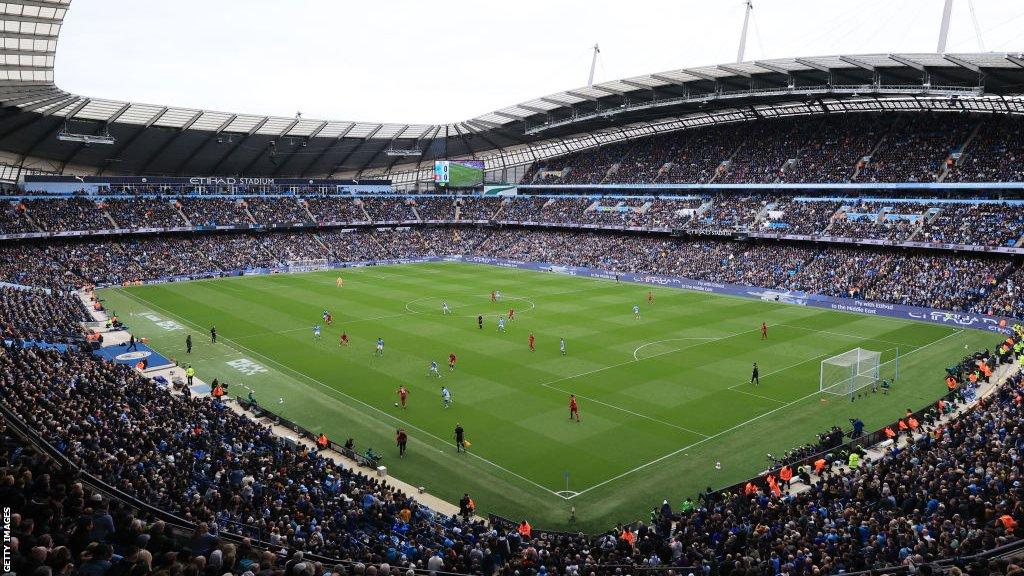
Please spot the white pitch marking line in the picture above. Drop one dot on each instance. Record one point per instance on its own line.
(642, 346)
(370, 406)
(854, 336)
(737, 426)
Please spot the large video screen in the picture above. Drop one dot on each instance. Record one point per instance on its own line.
(459, 173)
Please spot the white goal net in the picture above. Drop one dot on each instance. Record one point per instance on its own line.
(306, 265)
(850, 371)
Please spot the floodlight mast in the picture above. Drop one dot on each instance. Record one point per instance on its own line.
(593, 64)
(743, 35)
(947, 11)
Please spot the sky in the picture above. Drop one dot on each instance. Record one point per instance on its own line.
(420, 61)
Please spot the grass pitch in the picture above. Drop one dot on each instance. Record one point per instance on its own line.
(663, 397)
(460, 176)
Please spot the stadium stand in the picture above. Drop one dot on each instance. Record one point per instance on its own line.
(772, 175)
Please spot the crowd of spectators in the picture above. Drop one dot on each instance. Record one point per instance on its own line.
(805, 217)
(335, 209)
(13, 220)
(214, 211)
(912, 147)
(67, 214)
(996, 154)
(41, 316)
(476, 208)
(388, 210)
(951, 491)
(143, 212)
(765, 159)
(439, 208)
(732, 212)
(917, 148)
(990, 223)
(948, 494)
(983, 224)
(946, 281)
(277, 211)
(1006, 298)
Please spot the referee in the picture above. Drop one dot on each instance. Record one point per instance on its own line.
(460, 439)
(753, 376)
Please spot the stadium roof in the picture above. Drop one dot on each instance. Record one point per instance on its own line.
(162, 139)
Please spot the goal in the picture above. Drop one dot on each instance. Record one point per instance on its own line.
(850, 371)
(306, 265)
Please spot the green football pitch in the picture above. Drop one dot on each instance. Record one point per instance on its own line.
(663, 397)
(460, 176)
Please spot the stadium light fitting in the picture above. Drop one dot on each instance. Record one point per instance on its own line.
(65, 136)
(403, 152)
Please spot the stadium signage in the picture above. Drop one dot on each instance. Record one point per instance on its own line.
(230, 181)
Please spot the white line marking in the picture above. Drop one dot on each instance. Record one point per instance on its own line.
(854, 336)
(737, 426)
(642, 346)
(314, 380)
(757, 395)
(518, 298)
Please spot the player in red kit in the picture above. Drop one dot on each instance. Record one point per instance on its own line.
(650, 297)
(403, 395)
(493, 297)
(764, 331)
(532, 348)
(574, 409)
(451, 361)
(343, 341)
(511, 313)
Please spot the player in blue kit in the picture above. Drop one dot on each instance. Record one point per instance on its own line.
(380, 347)
(636, 312)
(433, 369)
(316, 331)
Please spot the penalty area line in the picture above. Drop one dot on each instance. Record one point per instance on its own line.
(732, 428)
(308, 378)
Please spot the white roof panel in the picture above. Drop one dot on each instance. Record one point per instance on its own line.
(140, 113)
(210, 121)
(362, 130)
(389, 131)
(878, 60)
(987, 60)
(565, 98)
(748, 67)
(789, 64)
(304, 127)
(416, 131)
(713, 71)
(828, 61)
(334, 129)
(176, 117)
(275, 125)
(494, 118)
(648, 81)
(244, 123)
(98, 109)
(538, 103)
(934, 60)
(617, 86)
(679, 76)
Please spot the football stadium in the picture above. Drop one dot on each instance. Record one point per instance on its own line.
(761, 317)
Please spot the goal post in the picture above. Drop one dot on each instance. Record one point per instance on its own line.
(850, 371)
(307, 265)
